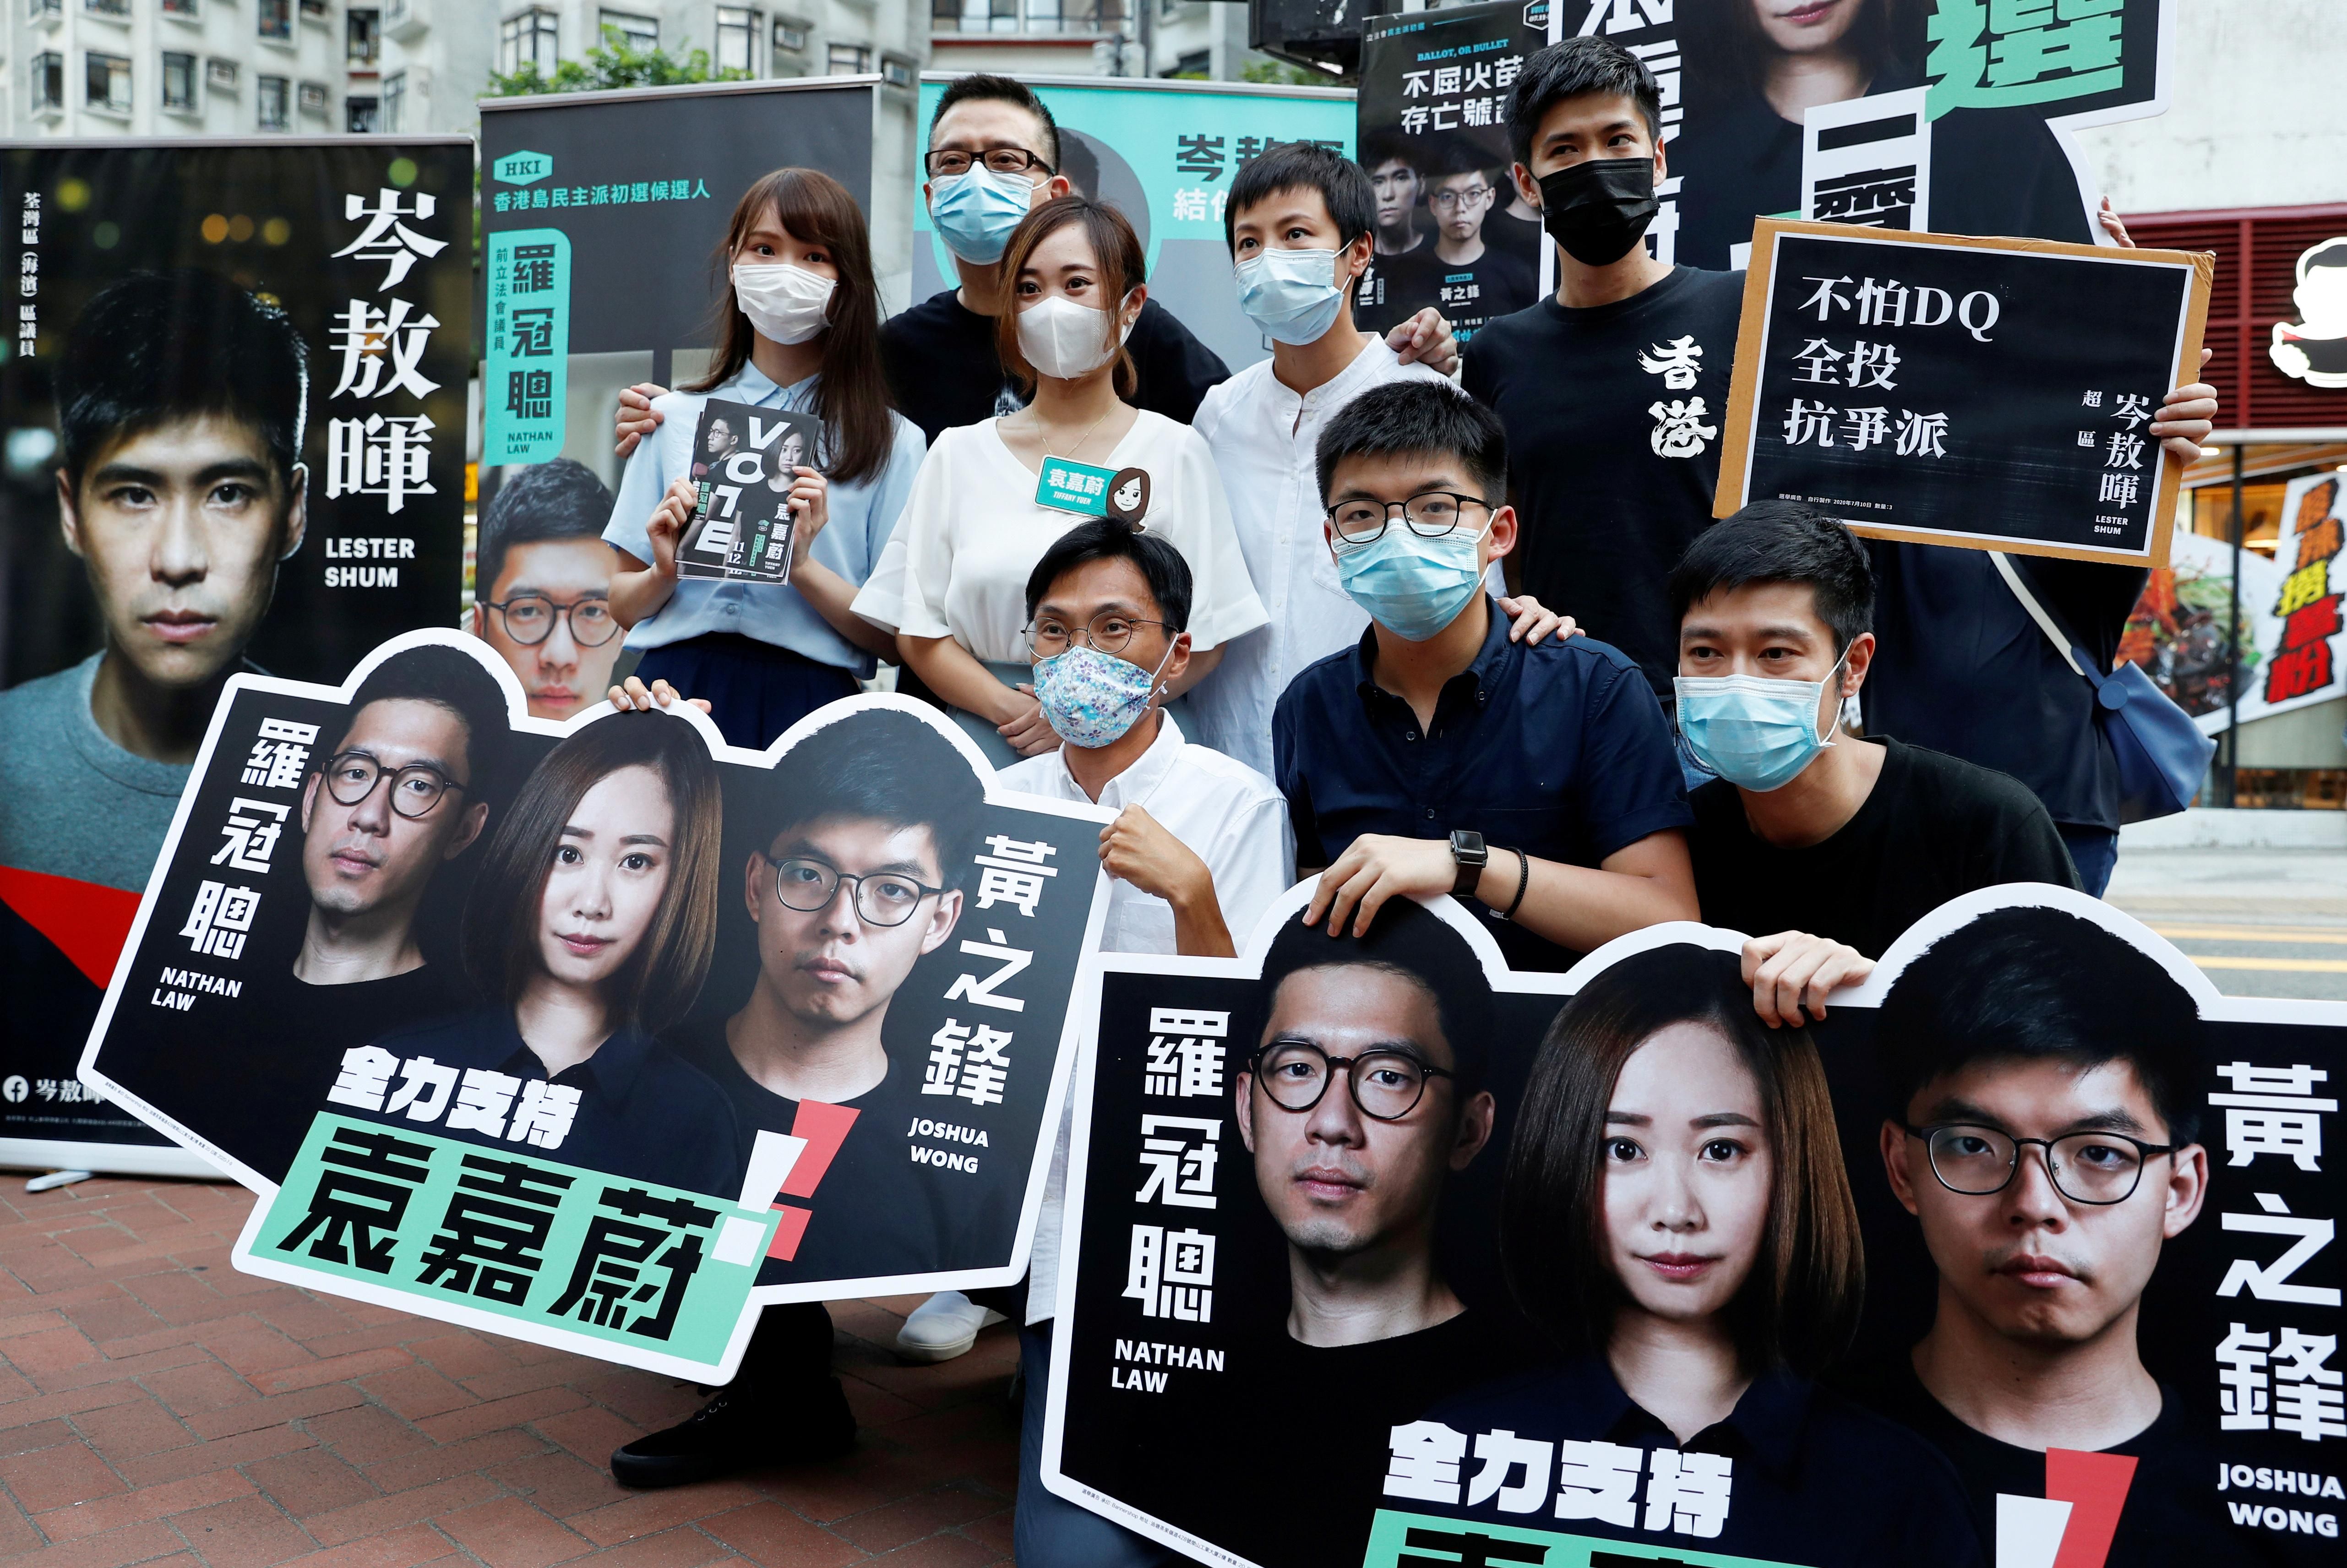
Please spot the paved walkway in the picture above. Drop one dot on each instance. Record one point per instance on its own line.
(156, 1406)
(2260, 922)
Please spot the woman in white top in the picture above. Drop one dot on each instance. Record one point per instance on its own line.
(978, 521)
(798, 329)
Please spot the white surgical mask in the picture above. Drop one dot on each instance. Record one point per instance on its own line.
(784, 303)
(1064, 340)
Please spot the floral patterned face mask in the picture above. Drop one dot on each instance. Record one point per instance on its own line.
(1090, 698)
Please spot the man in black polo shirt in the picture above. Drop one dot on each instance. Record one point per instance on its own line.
(1437, 756)
(1820, 847)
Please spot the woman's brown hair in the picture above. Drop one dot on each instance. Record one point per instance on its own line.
(1800, 1305)
(656, 984)
(852, 397)
(1123, 268)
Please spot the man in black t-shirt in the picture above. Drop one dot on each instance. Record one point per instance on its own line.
(2037, 1024)
(856, 881)
(1476, 280)
(1821, 847)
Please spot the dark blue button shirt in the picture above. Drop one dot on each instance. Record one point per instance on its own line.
(645, 1114)
(1811, 1478)
(1560, 749)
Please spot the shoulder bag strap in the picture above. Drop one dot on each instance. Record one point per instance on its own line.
(2037, 612)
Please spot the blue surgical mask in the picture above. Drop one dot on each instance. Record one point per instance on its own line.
(975, 211)
(1090, 698)
(1291, 294)
(1755, 732)
(1411, 586)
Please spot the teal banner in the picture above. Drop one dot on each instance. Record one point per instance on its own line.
(524, 381)
(1425, 1541)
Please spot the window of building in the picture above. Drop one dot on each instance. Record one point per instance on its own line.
(220, 76)
(45, 10)
(311, 96)
(106, 82)
(178, 83)
(315, 9)
(362, 37)
(636, 32)
(181, 7)
(849, 60)
(394, 101)
(526, 38)
(1195, 65)
(737, 39)
(48, 80)
(275, 18)
(790, 36)
(119, 10)
(273, 97)
(359, 115)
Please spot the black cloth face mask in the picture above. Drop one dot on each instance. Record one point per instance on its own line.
(1599, 208)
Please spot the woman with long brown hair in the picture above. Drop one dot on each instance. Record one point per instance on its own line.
(992, 497)
(798, 328)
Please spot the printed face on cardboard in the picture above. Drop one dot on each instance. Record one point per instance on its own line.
(368, 851)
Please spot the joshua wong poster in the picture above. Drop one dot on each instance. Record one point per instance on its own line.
(1389, 1255)
(592, 1033)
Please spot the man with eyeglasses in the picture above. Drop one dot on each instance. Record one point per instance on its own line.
(2043, 1137)
(1474, 280)
(855, 876)
(1436, 755)
(543, 584)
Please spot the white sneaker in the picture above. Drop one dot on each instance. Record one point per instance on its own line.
(942, 1327)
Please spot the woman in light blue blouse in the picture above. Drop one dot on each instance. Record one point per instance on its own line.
(798, 329)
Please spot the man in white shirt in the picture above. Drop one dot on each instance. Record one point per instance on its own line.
(1301, 222)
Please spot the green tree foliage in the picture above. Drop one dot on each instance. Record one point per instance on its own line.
(1280, 74)
(613, 63)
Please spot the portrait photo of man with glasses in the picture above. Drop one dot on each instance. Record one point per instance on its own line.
(1475, 278)
(2042, 1134)
(542, 585)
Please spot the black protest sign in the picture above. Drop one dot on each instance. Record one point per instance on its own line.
(1991, 394)
(825, 987)
(744, 461)
(1649, 1133)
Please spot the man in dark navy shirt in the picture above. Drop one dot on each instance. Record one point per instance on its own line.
(1437, 756)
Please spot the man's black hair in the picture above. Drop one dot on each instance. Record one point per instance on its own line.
(1406, 939)
(156, 347)
(448, 679)
(2024, 985)
(1112, 539)
(1419, 417)
(1392, 147)
(1781, 542)
(1572, 68)
(882, 765)
(1345, 188)
(1459, 154)
(558, 500)
(980, 86)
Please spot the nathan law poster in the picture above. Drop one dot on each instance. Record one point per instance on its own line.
(234, 395)
(1382, 1255)
(592, 1034)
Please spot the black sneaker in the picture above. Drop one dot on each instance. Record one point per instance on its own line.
(740, 1429)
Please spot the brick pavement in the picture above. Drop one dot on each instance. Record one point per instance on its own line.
(157, 1405)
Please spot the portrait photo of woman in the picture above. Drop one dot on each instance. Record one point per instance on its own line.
(1677, 1219)
(591, 925)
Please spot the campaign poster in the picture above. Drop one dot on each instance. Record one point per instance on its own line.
(745, 460)
(1162, 153)
(1940, 389)
(602, 215)
(2003, 81)
(234, 400)
(596, 1034)
(2178, 633)
(1467, 1247)
(1452, 231)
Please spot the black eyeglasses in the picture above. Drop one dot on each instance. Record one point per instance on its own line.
(529, 619)
(415, 789)
(2086, 1167)
(1107, 632)
(1000, 159)
(1386, 1084)
(1429, 514)
(882, 898)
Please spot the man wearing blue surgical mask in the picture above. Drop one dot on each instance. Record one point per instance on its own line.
(1538, 784)
(1823, 846)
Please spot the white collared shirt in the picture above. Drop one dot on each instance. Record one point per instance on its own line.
(1264, 438)
(1230, 818)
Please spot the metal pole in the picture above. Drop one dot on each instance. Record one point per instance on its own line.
(2233, 644)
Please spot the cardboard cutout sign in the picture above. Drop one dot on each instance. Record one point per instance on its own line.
(1212, 1387)
(598, 1034)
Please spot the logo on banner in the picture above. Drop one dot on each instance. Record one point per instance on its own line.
(522, 168)
(2313, 349)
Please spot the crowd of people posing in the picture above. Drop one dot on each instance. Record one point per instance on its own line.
(1327, 634)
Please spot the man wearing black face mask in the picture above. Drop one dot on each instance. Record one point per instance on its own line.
(1614, 391)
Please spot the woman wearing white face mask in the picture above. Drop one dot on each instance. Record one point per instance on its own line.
(798, 328)
(985, 507)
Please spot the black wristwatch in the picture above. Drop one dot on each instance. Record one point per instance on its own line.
(1467, 848)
